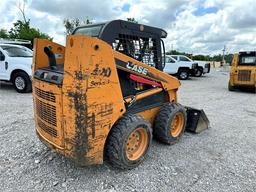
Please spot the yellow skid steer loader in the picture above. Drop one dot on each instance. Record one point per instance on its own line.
(243, 71)
(104, 95)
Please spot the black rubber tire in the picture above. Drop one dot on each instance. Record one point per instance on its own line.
(181, 74)
(230, 87)
(199, 72)
(115, 150)
(163, 121)
(28, 85)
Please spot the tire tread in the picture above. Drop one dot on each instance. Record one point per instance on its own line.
(163, 120)
(116, 138)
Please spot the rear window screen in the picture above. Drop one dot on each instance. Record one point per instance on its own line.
(247, 60)
(92, 31)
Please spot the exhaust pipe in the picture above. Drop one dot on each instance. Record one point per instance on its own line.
(51, 58)
(197, 120)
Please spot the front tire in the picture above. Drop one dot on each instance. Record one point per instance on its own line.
(230, 87)
(170, 123)
(128, 142)
(183, 74)
(21, 82)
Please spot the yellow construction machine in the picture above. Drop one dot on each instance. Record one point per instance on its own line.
(243, 71)
(104, 96)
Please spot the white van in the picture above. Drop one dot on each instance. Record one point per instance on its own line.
(16, 66)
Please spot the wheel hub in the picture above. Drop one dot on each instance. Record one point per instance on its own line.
(177, 124)
(136, 144)
(19, 83)
(183, 75)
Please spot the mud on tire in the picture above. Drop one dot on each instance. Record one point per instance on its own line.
(170, 123)
(128, 142)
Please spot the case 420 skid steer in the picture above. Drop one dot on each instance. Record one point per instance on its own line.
(104, 96)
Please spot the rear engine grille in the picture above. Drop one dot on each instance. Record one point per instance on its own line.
(46, 112)
(45, 95)
(244, 75)
(51, 131)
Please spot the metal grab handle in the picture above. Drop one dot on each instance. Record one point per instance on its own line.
(51, 58)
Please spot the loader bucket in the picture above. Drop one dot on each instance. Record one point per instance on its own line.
(197, 120)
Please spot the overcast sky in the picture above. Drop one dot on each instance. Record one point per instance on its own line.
(194, 26)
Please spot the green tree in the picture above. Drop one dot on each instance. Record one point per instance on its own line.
(3, 34)
(71, 24)
(228, 58)
(201, 57)
(175, 52)
(216, 58)
(22, 30)
(132, 19)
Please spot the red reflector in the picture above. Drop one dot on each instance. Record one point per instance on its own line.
(144, 81)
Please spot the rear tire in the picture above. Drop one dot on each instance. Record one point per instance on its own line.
(199, 72)
(128, 142)
(21, 82)
(254, 90)
(183, 74)
(170, 123)
(230, 87)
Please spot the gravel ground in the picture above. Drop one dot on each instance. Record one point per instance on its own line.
(222, 158)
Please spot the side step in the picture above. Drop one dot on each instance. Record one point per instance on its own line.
(197, 120)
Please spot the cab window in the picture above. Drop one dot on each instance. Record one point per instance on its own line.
(184, 59)
(175, 57)
(169, 60)
(92, 31)
(2, 57)
(247, 60)
(17, 51)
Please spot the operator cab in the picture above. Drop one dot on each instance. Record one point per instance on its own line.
(140, 42)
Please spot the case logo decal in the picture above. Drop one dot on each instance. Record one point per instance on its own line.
(137, 68)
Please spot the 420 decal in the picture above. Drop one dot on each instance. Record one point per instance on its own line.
(105, 72)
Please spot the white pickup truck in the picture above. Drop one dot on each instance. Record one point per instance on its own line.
(181, 69)
(203, 67)
(15, 66)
